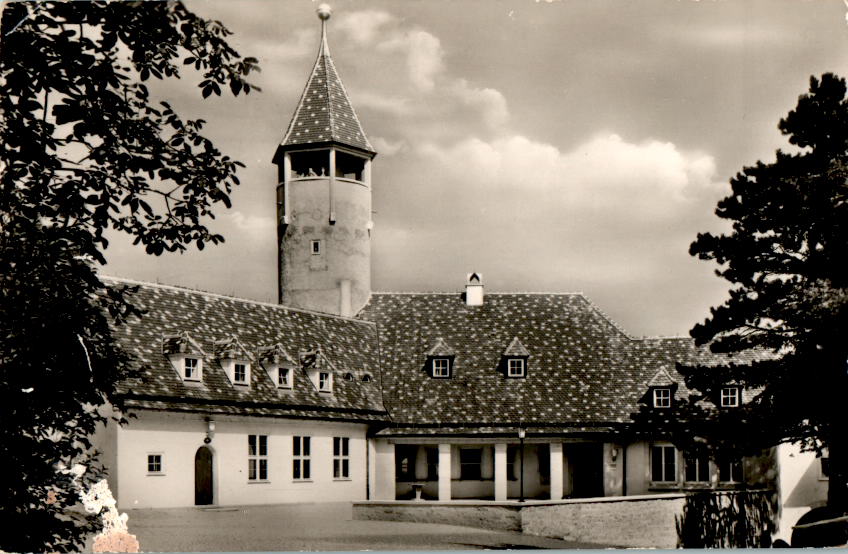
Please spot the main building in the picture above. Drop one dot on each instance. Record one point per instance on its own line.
(340, 393)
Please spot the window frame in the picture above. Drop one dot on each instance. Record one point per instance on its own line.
(325, 385)
(665, 449)
(735, 397)
(301, 458)
(281, 371)
(729, 463)
(509, 367)
(341, 459)
(315, 247)
(447, 367)
(246, 368)
(467, 471)
(257, 453)
(160, 462)
(700, 465)
(197, 369)
(661, 401)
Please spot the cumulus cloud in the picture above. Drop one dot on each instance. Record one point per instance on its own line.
(363, 26)
(654, 175)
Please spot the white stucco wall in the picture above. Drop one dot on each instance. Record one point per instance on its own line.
(177, 437)
(800, 485)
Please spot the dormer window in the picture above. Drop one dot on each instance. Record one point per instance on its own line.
(284, 377)
(729, 397)
(185, 355)
(515, 367)
(325, 381)
(240, 372)
(662, 397)
(441, 368)
(278, 365)
(191, 369)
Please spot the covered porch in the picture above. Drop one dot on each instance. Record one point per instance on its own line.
(493, 468)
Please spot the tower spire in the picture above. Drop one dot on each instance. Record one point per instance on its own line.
(324, 12)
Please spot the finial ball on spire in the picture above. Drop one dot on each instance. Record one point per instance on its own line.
(324, 11)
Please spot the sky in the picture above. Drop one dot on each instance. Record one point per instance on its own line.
(553, 146)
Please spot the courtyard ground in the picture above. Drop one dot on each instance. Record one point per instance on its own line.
(310, 527)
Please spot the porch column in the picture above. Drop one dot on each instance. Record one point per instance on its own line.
(556, 470)
(444, 472)
(500, 471)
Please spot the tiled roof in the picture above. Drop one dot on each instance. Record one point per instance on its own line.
(325, 113)
(222, 325)
(582, 370)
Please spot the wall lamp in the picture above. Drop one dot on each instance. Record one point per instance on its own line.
(210, 430)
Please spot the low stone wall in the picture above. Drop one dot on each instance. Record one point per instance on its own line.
(630, 521)
(483, 516)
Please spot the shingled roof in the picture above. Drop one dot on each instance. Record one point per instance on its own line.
(209, 319)
(325, 113)
(584, 372)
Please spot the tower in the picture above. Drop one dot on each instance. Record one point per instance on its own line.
(324, 197)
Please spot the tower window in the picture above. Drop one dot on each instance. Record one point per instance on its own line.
(349, 166)
(315, 247)
(314, 163)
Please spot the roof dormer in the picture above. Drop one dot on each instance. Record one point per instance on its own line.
(661, 389)
(440, 360)
(235, 359)
(319, 369)
(514, 360)
(278, 364)
(185, 355)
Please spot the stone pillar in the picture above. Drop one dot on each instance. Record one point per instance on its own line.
(384, 470)
(444, 472)
(556, 470)
(500, 472)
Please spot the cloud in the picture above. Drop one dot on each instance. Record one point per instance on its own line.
(604, 172)
(490, 103)
(363, 26)
(251, 224)
(386, 147)
(424, 55)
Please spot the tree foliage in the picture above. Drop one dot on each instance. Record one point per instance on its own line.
(786, 318)
(85, 149)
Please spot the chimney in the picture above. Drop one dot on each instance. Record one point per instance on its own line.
(345, 308)
(474, 289)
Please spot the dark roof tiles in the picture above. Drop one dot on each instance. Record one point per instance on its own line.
(346, 343)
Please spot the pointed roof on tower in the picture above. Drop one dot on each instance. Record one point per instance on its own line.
(324, 113)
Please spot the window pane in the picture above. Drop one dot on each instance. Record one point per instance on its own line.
(263, 445)
(296, 469)
(336, 469)
(296, 446)
(306, 446)
(345, 444)
(306, 469)
(345, 468)
(656, 463)
(251, 445)
(263, 469)
(670, 463)
(251, 469)
(336, 448)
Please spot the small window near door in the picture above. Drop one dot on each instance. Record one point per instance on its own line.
(154, 464)
(315, 246)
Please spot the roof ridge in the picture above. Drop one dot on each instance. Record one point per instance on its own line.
(226, 297)
(607, 318)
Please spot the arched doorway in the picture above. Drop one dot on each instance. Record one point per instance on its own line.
(203, 476)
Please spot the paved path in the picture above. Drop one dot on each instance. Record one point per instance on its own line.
(310, 527)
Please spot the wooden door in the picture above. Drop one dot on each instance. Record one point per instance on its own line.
(203, 476)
